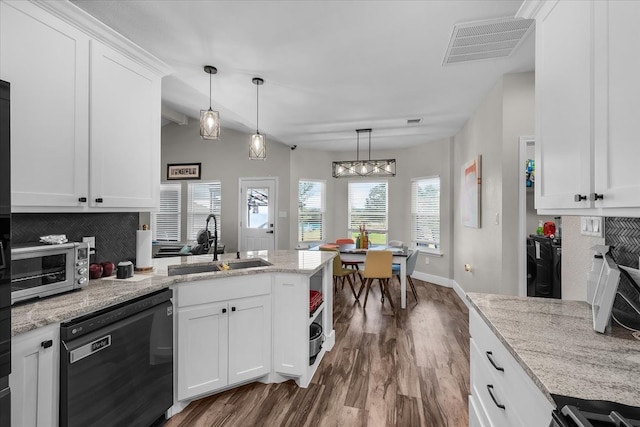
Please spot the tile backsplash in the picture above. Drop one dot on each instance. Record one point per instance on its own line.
(115, 233)
(623, 235)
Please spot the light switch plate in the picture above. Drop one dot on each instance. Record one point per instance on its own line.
(592, 226)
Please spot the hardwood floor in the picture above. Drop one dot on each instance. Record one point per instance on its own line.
(388, 368)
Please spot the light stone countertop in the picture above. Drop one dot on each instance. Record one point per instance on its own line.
(105, 292)
(554, 342)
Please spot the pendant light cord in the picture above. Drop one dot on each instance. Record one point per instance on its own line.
(369, 145)
(209, 90)
(257, 104)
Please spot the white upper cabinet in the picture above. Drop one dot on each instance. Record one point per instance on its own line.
(586, 88)
(46, 61)
(125, 131)
(85, 117)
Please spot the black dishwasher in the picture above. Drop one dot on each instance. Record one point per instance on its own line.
(116, 365)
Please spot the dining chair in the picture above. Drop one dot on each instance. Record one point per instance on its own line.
(352, 264)
(377, 265)
(340, 273)
(411, 265)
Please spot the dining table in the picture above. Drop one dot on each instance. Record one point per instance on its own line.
(349, 252)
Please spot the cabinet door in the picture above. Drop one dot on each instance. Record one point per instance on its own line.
(249, 338)
(202, 349)
(125, 132)
(617, 91)
(46, 62)
(563, 105)
(34, 378)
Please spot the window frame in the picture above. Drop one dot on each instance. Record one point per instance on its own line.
(353, 231)
(323, 209)
(191, 223)
(432, 246)
(164, 187)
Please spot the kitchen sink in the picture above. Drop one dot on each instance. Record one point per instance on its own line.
(248, 263)
(175, 270)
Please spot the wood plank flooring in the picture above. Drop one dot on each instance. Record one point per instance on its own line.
(388, 368)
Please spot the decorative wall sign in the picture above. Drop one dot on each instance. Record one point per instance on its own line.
(470, 195)
(183, 171)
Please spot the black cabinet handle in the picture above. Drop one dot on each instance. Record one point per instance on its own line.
(224, 310)
(493, 362)
(82, 200)
(270, 232)
(46, 344)
(595, 196)
(579, 198)
(233, 309)
(490, 388)
(99, 200)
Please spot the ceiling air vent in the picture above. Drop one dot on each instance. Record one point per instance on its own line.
(495, 38)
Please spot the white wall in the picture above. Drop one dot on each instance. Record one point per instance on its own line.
(576, 258)
(227, 160)
(425, 160)
(493, 131)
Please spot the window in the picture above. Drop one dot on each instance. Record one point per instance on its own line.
(368, 206)
(165, 224)
(204, 199)
(311, 206)
(425, 213)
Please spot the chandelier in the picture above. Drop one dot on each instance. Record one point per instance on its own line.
(355, 168)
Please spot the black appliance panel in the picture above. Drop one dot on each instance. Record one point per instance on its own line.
(547, 281)
(5, 254)
(119, 369)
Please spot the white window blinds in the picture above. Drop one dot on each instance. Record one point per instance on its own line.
(165, 224)
(368, 205)
(311, 207)
(204, 198)
(425, 212)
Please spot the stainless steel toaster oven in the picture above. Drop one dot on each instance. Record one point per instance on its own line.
(40, 270)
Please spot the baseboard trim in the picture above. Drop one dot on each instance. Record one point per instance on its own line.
(438, 280)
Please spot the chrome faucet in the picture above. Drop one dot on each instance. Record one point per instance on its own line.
(215, 235)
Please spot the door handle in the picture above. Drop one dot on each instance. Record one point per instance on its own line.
(224, 310)
(99, 200)
(46, 344)
(82, 199)
(233, 309)
(595, 196)
(579, 198)
(270, 232)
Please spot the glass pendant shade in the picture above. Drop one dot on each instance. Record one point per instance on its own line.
(258, 147)
(209, 124)
(209, 119)
(258, 143)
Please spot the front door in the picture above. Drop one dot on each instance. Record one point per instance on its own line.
(257, 214)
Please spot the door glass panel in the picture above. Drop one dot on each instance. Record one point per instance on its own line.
(258, 207)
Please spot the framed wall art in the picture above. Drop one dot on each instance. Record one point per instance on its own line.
(470, 194)
(183, 171)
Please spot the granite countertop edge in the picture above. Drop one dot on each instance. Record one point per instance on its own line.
(108, 291)
(555, 344)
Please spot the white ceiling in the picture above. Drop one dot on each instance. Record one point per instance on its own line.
(330, 67)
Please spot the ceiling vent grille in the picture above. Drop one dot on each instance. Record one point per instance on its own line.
(496, 38)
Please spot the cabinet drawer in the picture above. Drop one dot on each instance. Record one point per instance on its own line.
(214, 290)
(524, 395)
(491, 393)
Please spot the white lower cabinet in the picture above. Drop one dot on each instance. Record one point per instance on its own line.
(34, 377)
(502, 394)
(224, 333)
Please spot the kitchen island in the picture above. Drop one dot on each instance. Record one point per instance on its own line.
(231, 327)
(553, 343)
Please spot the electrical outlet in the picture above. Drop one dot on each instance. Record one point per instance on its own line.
(91, 240)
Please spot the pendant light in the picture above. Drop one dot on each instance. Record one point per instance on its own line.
(258, 143)
(209, 119)
(354, 168)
